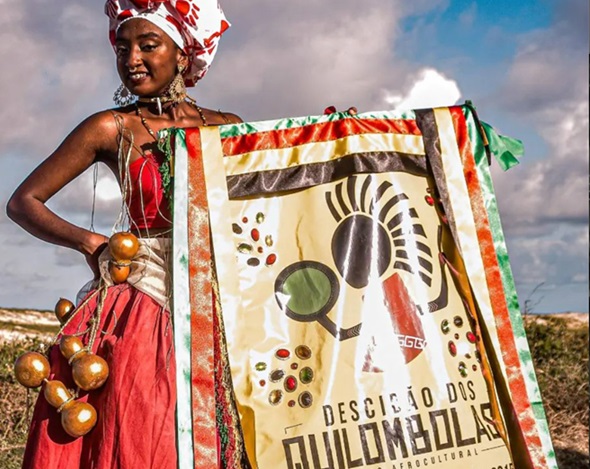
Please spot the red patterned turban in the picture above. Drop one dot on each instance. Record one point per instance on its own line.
(194, 25)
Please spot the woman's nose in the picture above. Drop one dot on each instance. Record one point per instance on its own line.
(133, 58)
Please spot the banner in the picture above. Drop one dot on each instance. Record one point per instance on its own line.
(363, 290)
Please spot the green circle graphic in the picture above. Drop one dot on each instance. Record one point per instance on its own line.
(306, 290)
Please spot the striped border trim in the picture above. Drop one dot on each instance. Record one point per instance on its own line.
(316, 133)
(481, 262)
(181, 302)
(304, 176)
(201, 301)
(233, 130)
(309, 153)
(487, 201)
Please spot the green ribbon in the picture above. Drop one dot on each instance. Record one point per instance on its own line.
(506, 150)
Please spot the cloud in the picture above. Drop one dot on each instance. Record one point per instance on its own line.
(549, 89)
(75, 201)
(553, 258)
(429, 89)
(558, 261)
(30, 276)
(297, 60)
(468, 16)
(553, 189)
(278, 59)
(292, 58)
(53, 54)
(543, 201)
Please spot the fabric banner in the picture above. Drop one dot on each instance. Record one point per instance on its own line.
(367, 302)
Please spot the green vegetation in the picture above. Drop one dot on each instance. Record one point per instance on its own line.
(559, 347)
(16, 405)
(560, 351)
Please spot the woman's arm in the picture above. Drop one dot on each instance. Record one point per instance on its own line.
(94, 140)
(233, 118)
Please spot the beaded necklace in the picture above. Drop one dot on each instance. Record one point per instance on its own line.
(166, 169)
(151, 131)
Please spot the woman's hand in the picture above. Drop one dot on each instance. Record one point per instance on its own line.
(96, 244)
(332, 109)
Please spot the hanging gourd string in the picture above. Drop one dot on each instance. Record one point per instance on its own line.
(142, 205)
(115, 320)
(72, 316)
(95, 320)
(126, 145)
(94, 184)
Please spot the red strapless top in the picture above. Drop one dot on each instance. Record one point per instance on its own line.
(148, 206)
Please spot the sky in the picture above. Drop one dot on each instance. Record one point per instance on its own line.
(523, 64)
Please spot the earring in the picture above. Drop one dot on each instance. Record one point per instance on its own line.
(123, 96)
(177, 89)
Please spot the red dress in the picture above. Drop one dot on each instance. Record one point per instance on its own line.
(136, 406)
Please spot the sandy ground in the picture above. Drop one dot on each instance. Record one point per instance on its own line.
(18, 324)
(574, 319)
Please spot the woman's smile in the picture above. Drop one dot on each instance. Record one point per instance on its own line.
(137, 78)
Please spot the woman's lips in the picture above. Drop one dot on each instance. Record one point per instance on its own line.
(137, 77)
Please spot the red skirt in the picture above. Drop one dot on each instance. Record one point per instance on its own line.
(136, 406)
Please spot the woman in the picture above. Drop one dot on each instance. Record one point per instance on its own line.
(159, 46)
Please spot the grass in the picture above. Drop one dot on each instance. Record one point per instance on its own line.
(560, 352)
(15, 405)
(559, 348)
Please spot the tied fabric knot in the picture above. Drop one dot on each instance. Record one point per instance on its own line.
(506, 150)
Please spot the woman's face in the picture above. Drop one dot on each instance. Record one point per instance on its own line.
(147, 58)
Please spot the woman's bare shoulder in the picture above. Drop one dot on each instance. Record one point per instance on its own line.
(101, 130)
(109, 121)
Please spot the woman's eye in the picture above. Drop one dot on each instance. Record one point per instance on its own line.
(121, 50)
(149, 47)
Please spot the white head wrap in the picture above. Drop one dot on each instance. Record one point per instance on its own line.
(194, 25)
